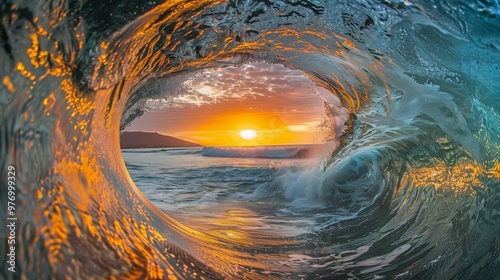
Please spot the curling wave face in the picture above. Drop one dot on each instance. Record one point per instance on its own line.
(420, 153)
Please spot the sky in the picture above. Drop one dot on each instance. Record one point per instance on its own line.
(278, 103)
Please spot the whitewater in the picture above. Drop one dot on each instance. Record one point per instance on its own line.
(409, 190)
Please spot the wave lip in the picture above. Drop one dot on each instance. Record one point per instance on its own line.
(258, 152)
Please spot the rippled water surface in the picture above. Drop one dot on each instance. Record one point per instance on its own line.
(411, 190)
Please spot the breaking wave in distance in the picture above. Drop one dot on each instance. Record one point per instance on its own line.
(259, 152)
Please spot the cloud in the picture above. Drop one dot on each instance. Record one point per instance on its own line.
(248, 81)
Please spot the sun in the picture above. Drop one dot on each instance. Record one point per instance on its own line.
(248, 134)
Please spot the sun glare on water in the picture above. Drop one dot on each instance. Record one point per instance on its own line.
(248, 134)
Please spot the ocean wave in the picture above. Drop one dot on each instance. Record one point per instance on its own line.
(257, 152)
(417, 163)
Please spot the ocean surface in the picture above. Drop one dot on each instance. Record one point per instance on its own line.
(261, 190)
(410, 190)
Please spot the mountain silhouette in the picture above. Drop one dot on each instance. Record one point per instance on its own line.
(139, 139)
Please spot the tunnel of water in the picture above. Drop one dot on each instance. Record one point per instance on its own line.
(419, 154)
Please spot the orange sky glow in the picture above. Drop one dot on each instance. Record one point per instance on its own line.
(276, 102)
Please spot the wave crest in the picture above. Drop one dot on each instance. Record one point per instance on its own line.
(258, 152)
